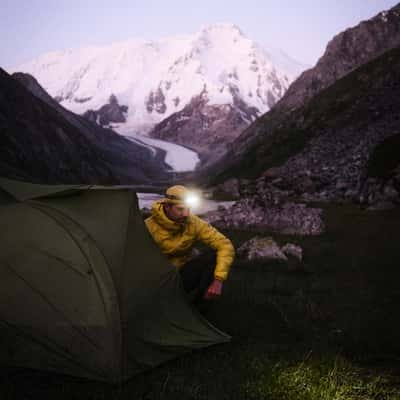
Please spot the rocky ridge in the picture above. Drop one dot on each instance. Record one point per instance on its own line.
(43, 142)
(333, 164)
(206, 128)
(108, 113)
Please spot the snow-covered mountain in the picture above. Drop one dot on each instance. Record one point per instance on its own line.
(283, 62)
(143, 82)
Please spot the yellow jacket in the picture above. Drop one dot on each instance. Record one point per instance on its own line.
(177, 239)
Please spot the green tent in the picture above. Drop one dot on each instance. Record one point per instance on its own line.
(84, 288)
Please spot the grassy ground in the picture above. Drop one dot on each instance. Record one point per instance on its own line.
(328, 330)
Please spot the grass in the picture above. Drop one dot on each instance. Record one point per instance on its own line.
(316, 378)
(326, 331)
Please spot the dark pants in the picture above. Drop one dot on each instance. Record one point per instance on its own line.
(198, 273)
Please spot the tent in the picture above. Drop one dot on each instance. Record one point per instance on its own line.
(85, 290)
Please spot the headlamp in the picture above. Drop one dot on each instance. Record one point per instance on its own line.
(192, 199)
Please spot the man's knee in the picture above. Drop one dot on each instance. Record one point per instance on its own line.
(199, 270)
(207, 257)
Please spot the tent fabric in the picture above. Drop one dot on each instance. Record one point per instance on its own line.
(84, 288)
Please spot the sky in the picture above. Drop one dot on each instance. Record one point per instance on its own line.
(301, 28)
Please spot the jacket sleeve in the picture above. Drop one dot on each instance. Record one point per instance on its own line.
(223, 246)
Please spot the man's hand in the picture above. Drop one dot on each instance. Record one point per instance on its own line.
(214, 290)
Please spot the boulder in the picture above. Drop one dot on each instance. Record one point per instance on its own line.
(227, 190)
(390, 192)
(381, 205)
(292, 250)
(304, 184)
(261, 249)
(271, 173)
(231, 186)
(341, 184)
(262, 212)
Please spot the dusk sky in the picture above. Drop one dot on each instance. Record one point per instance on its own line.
(301, 28)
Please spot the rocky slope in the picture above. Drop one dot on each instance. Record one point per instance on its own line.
(108, 113)
(326, 150)
(42, 142)
(344, 53)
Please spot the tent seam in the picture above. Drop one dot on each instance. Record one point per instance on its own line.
(42, 208)
(44, 297)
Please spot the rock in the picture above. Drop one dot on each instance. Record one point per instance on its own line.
(231, 186)
(271, 173)
(309, 197)
(305, 185)
(229, 190)
(156, 101)
(292, 250)
(390, 192)
(396, 175)
(381, 205)
(261, 249)
(265, 212)
(351, 194)
(277, 180)
(108, 113)
(341, 184)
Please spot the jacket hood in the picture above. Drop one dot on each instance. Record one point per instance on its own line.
(157, 212)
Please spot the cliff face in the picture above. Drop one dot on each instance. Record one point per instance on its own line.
(43, 142)
(206, 128)
(108, 113)
(345, 52)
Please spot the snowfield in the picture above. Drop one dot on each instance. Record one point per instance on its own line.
(179, 158)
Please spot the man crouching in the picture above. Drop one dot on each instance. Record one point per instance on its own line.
(175, 229)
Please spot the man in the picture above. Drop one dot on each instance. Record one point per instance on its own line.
(175, 229)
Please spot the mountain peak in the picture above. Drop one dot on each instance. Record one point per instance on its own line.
(219, 28)
(155, 79)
